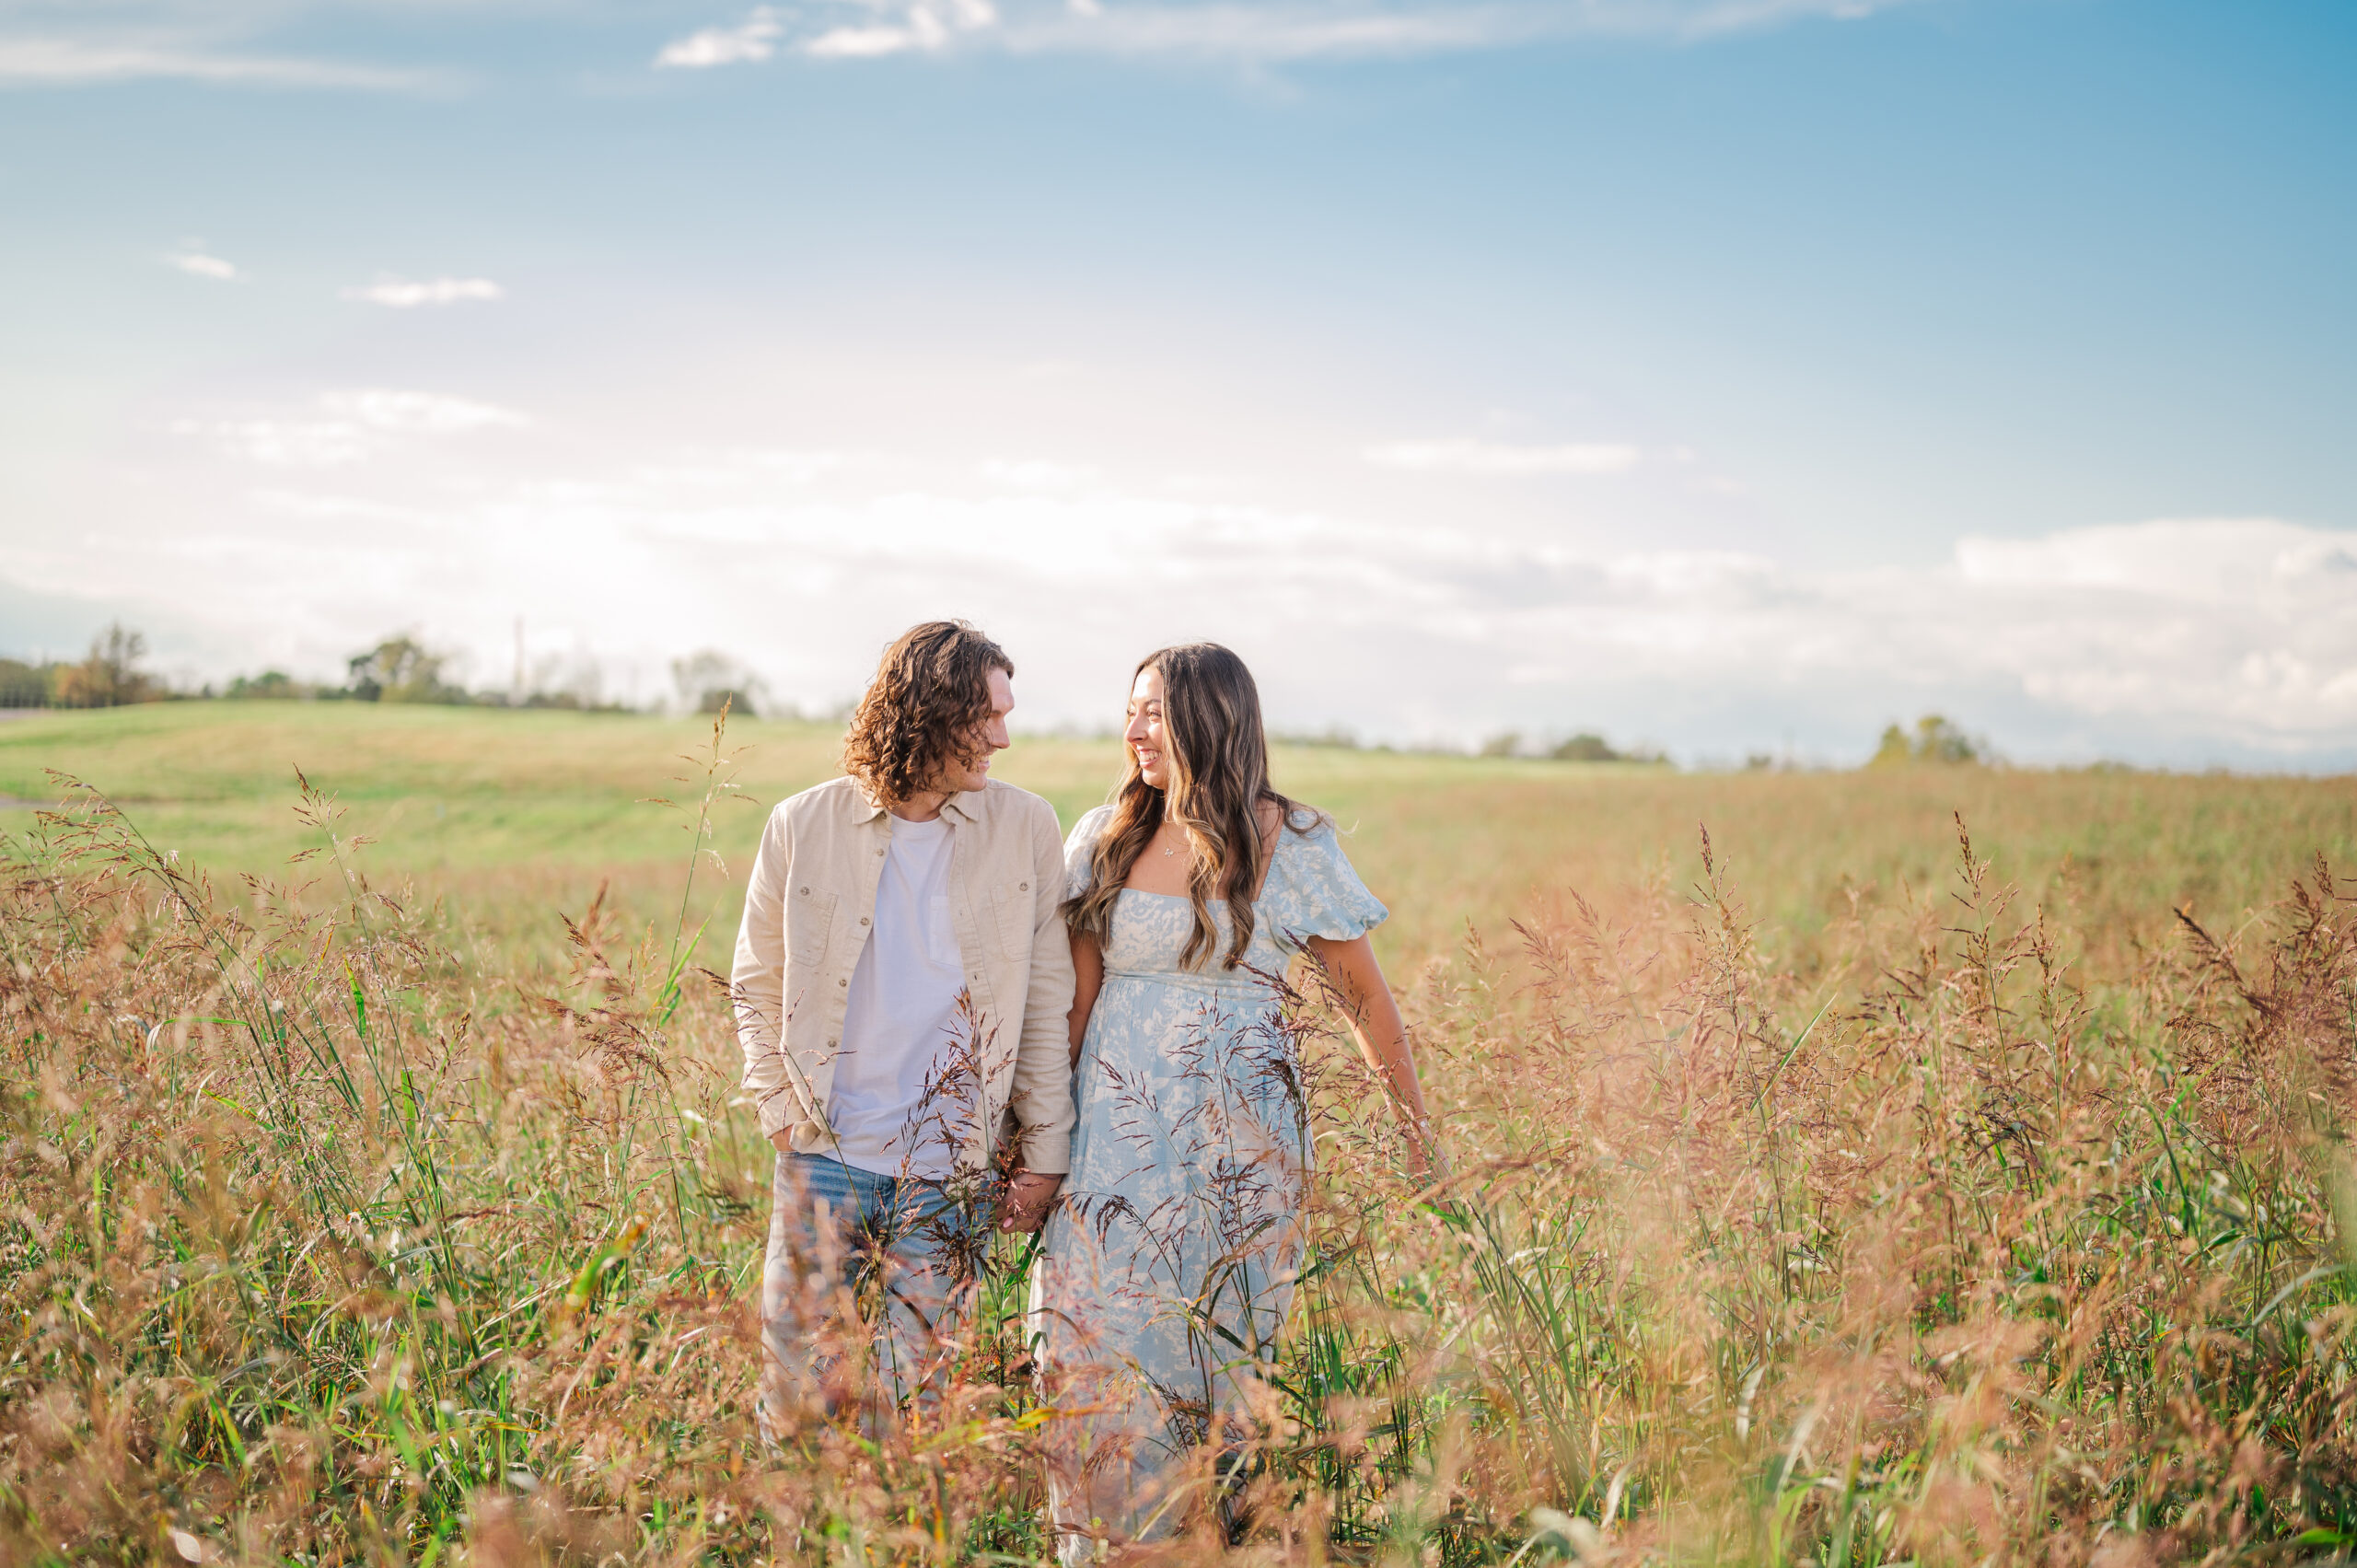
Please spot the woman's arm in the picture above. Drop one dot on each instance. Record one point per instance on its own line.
(1358, 982)
(1088, 975)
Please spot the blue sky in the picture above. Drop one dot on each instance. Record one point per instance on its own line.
(1730, 374)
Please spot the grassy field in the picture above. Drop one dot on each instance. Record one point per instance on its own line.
(1844, 1193)
(516, 815)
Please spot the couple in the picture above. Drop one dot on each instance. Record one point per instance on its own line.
(936, 999)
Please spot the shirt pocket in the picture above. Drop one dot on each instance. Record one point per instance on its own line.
(1011, 905)
(809, 921)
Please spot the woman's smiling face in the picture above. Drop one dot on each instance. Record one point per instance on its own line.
(1147, 737)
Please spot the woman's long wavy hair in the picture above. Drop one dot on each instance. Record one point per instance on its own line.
(924, 711)
(1218, 758)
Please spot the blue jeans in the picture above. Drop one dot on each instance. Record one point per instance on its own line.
(839, 1234)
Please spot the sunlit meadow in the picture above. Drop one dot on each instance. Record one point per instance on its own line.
(1928, 1164)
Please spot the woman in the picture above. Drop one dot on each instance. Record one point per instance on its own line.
(1168, 1269)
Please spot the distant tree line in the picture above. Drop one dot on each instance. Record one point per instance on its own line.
(1934, 740)
(110, 676)
(1584, 746)
(402, 668)
(399, 668)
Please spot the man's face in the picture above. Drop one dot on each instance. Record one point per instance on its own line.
(974, 772)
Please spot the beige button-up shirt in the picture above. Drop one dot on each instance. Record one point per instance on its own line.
(807, 916)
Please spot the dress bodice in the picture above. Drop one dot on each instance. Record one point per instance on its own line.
(1310, 890)
(1150, 935)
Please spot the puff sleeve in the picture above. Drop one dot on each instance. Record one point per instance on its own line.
(1080, 850)
(1319, 893)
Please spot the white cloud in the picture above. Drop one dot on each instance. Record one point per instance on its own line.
(283, 443)
(867, 43)
(2213, 561)
(1268, 31)
(2239, 629)
(1456, 616)
(404, 295)
(63, 62)
(926, 24)
(198, 264)
(1493, 459)
(752, 39)
(1276, 33)
(1300, 29)
(357, 425)
(1262, 31)
(2164, 640)
(1032, 475)
(419, 413)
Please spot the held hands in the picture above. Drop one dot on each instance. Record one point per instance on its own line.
(1029, 1198)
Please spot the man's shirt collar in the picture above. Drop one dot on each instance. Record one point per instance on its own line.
(869, 809)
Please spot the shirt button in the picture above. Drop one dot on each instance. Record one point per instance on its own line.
(879, 852)
(843, 982)
(863, 920)
(803, 890)
(1019, 887)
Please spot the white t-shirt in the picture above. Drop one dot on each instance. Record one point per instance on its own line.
(900, 1022)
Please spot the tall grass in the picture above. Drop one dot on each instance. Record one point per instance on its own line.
(333, 1233)
(1939, 1256)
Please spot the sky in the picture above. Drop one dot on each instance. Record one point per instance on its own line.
(1731, 376)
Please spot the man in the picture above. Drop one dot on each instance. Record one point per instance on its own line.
(901, 983)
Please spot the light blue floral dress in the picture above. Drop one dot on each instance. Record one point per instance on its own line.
(1166, 1271)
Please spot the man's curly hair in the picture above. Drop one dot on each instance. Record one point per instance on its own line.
(925, 710)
